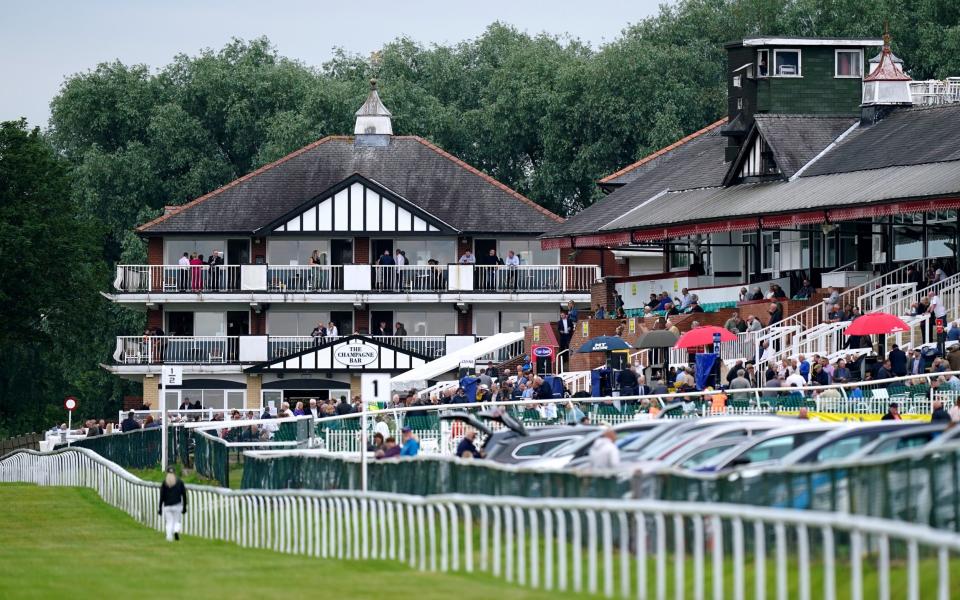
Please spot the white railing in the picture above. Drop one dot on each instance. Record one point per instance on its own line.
(508, 352)
(155, 349)
(409, 278)
(618, 548)
(535, 278)
(304, 278)
(177, 278)
(429, 345)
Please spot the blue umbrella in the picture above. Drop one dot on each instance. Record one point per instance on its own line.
(605, 343)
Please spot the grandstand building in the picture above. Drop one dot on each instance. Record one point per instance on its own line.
(828, 168)
(350, 234)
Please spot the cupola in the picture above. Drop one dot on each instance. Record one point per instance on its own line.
(373, 126)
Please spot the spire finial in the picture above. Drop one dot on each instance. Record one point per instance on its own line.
(886, 34)
(373, 83)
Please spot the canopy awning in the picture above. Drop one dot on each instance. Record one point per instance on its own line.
(451, 362)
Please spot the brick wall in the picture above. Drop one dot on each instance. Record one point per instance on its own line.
(253, 391)
(155, 251)
(464, 244)
(155, 318)
(601, 293)
(609, 266)
(131, 403)
(361, 251)
(151, 392)
(361, 320)
(258, 250)
(258, 322)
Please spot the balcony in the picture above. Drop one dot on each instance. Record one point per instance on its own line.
(223, 350)
(355, 279)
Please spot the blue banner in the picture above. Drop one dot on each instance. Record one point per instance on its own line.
(704, 364)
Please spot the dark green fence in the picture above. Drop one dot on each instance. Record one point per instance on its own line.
(139, 449)
(211, 457)
(920, 487)
(425, 475)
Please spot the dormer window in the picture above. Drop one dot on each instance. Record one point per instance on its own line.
(737, 81)
(786, 63)
(848, 63)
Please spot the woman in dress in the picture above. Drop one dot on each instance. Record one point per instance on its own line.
(196, 269)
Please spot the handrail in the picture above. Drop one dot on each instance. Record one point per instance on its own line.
(439, 533)
(841, 268)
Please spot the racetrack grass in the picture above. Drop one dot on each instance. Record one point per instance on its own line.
(191, 476)
(59, 542)
(66, 541)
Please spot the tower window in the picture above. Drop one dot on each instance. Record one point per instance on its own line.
(736, 81)
(739, 103)
(849, 63)
(786, 63)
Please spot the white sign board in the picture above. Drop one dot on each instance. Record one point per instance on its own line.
(356, 354)
(172, 375)
(375, 388)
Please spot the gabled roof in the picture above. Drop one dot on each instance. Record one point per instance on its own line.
(423, 174)
(349, 353)
(796, 139)
(694, 161)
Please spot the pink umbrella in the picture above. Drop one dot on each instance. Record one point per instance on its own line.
(876, 324)
(703, 336)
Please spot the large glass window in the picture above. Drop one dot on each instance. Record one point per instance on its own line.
(786, 63)
(281, 251)
(941, 233)
(419, 251)
(209, 323)
(907, 237)
(770, 247)
(174, 249)
(529, 251)
(848, 63)
(418, 322)
(295, 323)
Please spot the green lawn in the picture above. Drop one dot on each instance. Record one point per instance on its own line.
(67, 543)
(191, 476)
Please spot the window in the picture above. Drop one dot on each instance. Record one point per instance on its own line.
(849, 63)
(176, 247)
(736, 81)
(941, 233)
(419, 251)
(841, 448)
(537, 449)
(739, 103)
(763, 60)
(771, 449)
(529, 251)
(770, 248)
(419, 322)
(786, 63)
(296, 252)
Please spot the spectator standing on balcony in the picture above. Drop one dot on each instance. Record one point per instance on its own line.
(214, 262)
(332, 330)
(572, 311)
(914, 276)
(183, 276)
(468, 258)
(318, 332)
(489, 278)
(400, 331)
(382, 329)
(173, 504)
(196, 271)
(937, 311)
(386, 272)
(411, 446)
(565, 328)
(512, 261)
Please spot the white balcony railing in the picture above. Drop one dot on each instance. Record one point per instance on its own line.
(409, 278)
(535, 278)
(173, 349)
(177, 278)
(304, 278)
(360, 278)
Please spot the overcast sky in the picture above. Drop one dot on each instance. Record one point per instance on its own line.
(44, 41)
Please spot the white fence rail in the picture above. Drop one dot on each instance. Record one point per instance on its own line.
(535, 278)
(177, 278)
(304, 278)
(174, 349)
(622, 548)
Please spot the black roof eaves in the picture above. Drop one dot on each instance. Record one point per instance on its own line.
(741, 155)
(344, 184)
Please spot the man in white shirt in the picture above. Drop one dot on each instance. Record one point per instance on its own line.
(400, 258)
(937, 311)
(183, 274)
(314, 411)
(468, 258)
(512, 260)
(604, 453)
(686, 299)
(332, 330)
(795, 379)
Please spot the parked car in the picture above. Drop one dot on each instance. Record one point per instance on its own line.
(515, 443)
(895, 441)
(579, 448)
(842, 442)
(768, 448)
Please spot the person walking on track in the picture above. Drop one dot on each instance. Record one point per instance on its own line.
(173, 504)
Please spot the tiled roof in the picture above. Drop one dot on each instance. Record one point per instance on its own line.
(796, 139)
(411, 167)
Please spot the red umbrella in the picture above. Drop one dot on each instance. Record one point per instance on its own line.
(876, 323)
(703, 336)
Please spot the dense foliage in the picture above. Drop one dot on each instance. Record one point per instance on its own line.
(547, 115)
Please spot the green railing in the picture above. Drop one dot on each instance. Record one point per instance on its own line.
(424, 475)
(922, 486)
(211, 457)
(138, 449)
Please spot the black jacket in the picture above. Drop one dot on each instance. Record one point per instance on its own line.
(170, 496)
(898, 361)
(344, 408)
(129, 424)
